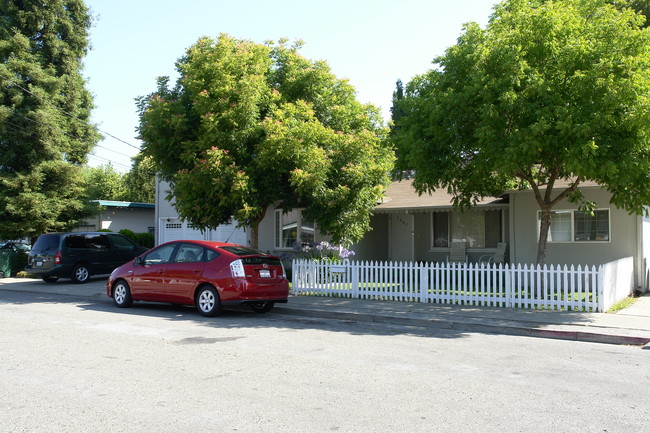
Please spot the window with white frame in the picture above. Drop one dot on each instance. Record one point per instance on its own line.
(577, 226)
(479, 228)
(292, 229)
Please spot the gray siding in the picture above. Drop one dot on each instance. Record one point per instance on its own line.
(623, 233)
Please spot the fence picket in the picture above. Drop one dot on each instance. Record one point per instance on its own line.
(501, 285)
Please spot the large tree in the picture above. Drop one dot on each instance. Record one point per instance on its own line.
(252, 125)
(551, 94)
(105, 183)
(44, 114)
(140, 181)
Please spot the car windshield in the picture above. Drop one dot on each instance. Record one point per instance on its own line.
(241, 251)
(46, 242)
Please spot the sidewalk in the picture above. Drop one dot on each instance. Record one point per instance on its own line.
(630, 326)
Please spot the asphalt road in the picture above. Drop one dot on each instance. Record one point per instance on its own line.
(82, 365)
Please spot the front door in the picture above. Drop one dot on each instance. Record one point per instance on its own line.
(401, 240)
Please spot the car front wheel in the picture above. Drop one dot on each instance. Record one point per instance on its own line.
(208, 302)
(122, 294)
(81, 274)
(262, 307)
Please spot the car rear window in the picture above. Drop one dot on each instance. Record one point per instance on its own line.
(260, 260)
(241, 251)
(47, 242)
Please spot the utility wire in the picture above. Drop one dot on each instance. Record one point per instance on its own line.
(65, 112)
(23, 129)
(108, 160)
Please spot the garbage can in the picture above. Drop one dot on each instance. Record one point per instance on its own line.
(7, 258)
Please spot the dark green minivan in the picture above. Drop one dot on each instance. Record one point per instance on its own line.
(79, 255)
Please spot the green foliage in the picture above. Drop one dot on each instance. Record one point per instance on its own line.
(250, 125)
(44, 113)
(128, 233)
(142, 239)
(140, 181)
(550, 92)
(145, 239)
(104, 183)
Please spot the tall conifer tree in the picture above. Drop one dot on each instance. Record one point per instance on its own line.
(45, 134)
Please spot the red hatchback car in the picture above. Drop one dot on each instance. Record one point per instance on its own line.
(202, 273)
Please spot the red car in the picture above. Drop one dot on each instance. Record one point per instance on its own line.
(202, 273)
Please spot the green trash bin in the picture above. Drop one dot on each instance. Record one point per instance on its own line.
(7, 258)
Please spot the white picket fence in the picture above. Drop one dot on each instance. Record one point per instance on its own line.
(509, 286)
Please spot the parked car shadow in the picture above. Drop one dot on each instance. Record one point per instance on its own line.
(232, 318)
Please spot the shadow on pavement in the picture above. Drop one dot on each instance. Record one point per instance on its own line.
(232, 317)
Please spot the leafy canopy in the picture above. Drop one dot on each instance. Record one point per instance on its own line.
(252, 125)
(552, 92)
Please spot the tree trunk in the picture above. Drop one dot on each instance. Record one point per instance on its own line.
(544, 226)
(255, 235)
(255, 231)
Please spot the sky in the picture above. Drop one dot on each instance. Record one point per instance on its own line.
(372, 43)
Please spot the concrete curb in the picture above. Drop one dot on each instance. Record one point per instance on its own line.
(477, 325)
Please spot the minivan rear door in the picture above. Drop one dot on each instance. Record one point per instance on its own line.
(42, 254)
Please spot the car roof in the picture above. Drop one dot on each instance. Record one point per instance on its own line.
(216, 244)
(213, 244)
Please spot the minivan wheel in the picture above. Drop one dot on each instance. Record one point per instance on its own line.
(262, 307)
(80, 274)
(122, 294)
(50, 279)
(208, 302)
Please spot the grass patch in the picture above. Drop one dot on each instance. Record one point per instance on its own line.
(622, 304)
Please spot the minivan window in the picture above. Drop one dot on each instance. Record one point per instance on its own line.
(75, 241)
(97, 242)
(122, 241)
(47, 242)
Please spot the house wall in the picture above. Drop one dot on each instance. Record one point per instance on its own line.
(524, 231)
(374, 245)
(169, 227)
(138, 220)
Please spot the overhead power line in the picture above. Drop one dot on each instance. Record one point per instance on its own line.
(19, 128)
(66, 113)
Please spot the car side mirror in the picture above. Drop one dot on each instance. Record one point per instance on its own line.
(139, 261)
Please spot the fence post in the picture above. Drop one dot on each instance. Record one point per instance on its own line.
(424, 283)
(508, 285)
(355, 280)
(600, 289)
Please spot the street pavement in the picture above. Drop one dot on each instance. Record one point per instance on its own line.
(630, 326)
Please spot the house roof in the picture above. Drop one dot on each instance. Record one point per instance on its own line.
(128, 204)
(401, 195)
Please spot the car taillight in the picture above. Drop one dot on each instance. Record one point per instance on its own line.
(237, 269)
(57, 258)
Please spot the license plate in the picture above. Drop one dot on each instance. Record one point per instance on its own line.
(265, 273)
(38, 264)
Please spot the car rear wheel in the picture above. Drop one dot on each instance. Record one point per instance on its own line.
(208, 302)
(50, 279)
(262, 307)
(81, 274)
(122, 294)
